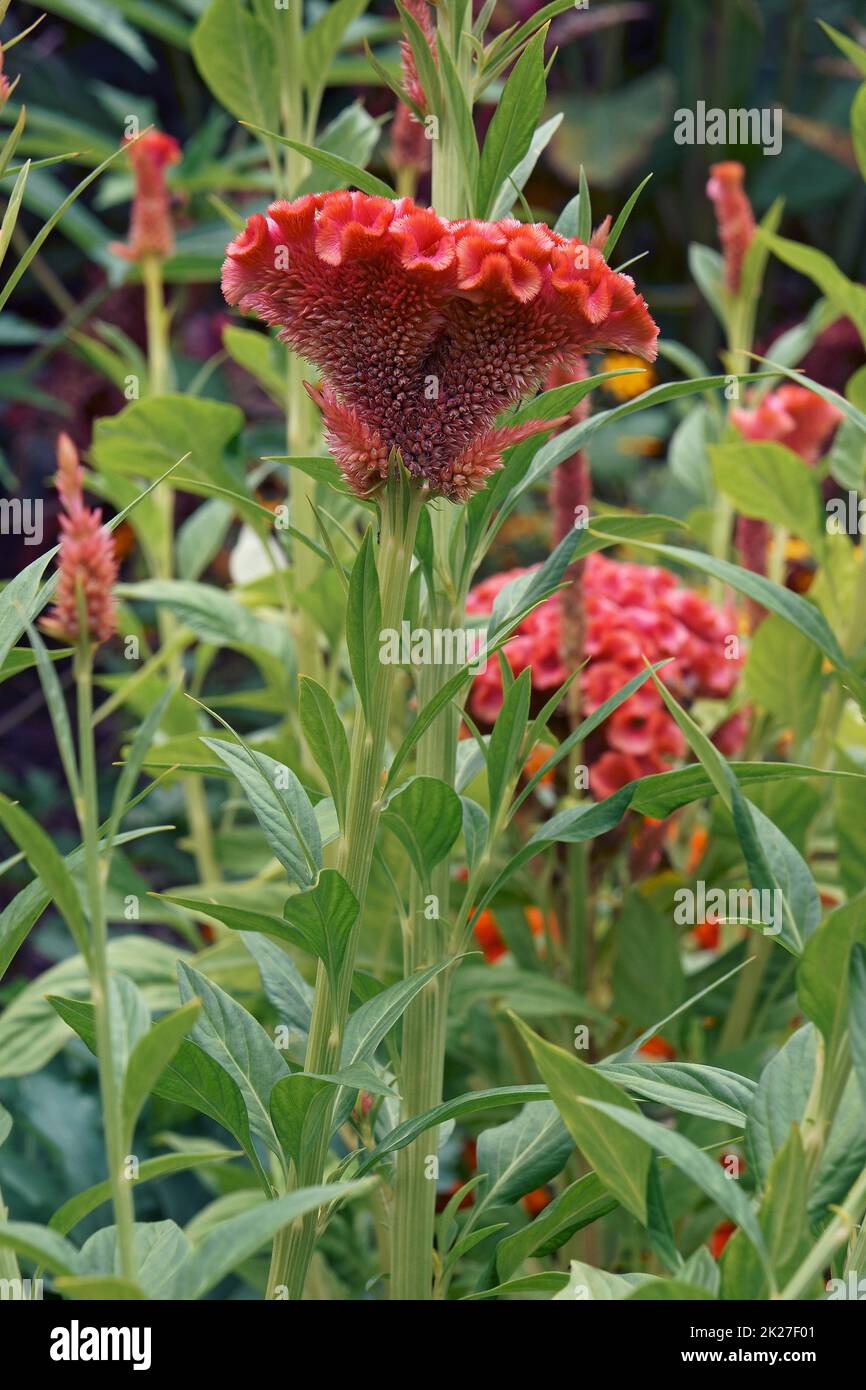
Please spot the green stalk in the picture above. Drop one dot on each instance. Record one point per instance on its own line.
(401, 507)
(425, 1020)
(159, 381)
(835, 1234)
(109, 1083)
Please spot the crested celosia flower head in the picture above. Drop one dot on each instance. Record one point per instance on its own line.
(734, 216)
(87, 561)
(791, 415)
(151, 230)
(425, 330)
(632, 612)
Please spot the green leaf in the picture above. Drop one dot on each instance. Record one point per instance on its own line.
(239, 1044)
(83, 1203)
(364, 622)
(348, 174)
(584, 209)
(472, 1103)
(323, 39)
(299, 1111)
(150, 435)
(579, 1205)
(783, 675)
(149, 1059)
(235, 56)
(514, 121)
(780, 1099)
(235, 1240)
(426, 817)
(459, 111)
(322, 919)
(324, 732)
(596, 1285)
(662, 793)
(99, 1288)
(846, 296)
(192, 1078)
(136, 753)
(160, 1247)
(280, 805)
(623, 1166)
(770, 482)
(39, 1243)
(549, 1282)
(857, 1014)
(424, 61)
(506, 741)
(519, 176)
(523, 1154)
(694, 1089)
(21, 599)
(704, 1171)
(854, 52)
(823, 973)
(45, 861)
(788, 605)
(56, 704)
(648, 977)
(619, 225)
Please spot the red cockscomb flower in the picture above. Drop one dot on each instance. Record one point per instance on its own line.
(734, 216)
(632, 612)
(426, 330)
(151, 230)
(87, 560)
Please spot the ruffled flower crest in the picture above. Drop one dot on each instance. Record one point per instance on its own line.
(426, 330)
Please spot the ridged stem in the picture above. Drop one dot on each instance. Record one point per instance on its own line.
(401, 506)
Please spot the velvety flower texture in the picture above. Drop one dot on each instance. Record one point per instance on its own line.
(734, 216)
(631, 612)
(426, 330)
(151, 230)
(87, 559)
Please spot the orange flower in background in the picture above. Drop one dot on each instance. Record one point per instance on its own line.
(734, 216)
(720, 1237)
(151, 229)
(791, 415)
(87, 560)
(489, 939)
(625, 388)
(425, 330)
(657, 1050)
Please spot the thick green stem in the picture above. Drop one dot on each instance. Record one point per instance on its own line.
(401, 506)
(424, 1024)
(425, 1020)
(109, 1081)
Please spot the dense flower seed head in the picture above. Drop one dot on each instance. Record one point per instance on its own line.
(426, 330)
(734, 216)
(151, 230)
(87, 560)
(631, 612)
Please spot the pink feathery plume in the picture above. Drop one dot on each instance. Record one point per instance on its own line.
(87, 560)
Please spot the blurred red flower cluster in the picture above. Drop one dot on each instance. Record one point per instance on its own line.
(632, 612)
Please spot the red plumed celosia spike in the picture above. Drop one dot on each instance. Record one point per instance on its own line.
(426, 330)
(87, 560)
(151, 230)
(361, 454)
(734, 217)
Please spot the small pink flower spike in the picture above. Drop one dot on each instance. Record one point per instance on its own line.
(736, 221)
(87, 559)
(151, 230)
